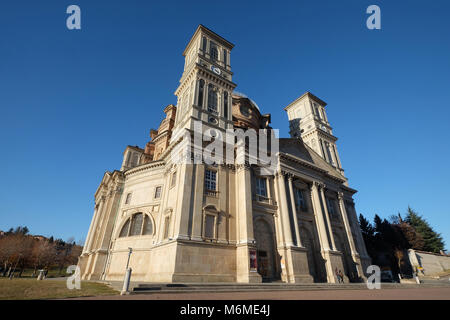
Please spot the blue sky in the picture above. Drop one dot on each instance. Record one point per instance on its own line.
(71, 100)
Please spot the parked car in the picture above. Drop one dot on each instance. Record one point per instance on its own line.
(386, 276)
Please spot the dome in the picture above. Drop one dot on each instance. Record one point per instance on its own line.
(246, 113)
(242, 95)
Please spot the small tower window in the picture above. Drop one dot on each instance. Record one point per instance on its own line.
(225, 57)
(225, 104)
(201, 88)
(204, 44)
(213, 51)
(212, 98)
(330, 158)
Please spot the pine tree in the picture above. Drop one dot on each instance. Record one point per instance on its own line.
(368, 233)
(433, 241)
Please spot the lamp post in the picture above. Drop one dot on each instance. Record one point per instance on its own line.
(126, 280)
(130, 251)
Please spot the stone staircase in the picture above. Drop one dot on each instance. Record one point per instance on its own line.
(146, 288)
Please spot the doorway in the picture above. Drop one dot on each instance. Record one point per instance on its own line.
(265, 250)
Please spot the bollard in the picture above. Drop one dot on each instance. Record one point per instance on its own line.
(41, 275)
(126, 282)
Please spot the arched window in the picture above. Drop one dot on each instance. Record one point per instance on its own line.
(225, 104)
(212, 98)
(201, 88)
(138, 224)
(148, 226)
(125, 228)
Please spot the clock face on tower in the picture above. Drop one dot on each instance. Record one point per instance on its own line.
(216, 70)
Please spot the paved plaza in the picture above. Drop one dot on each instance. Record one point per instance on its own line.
(442, 293)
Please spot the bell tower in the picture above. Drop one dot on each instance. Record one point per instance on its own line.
(205, 89)
(308, 121)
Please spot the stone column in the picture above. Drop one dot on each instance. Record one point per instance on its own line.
(91, 234)
(284, 210)
(348, 230)
(320, 223)
(184, 188)
(196, 233)
(333, 259)
(327, 217)
(294, 213)
(277, 216)
(295, 258)
(354, 252)
(246, 239)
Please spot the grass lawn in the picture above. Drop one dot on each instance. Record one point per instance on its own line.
(20, 289)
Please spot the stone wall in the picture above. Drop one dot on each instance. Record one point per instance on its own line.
(431, 263)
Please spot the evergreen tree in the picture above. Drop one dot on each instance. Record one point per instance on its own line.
(432, 241)
(368, 234)
(414, 239)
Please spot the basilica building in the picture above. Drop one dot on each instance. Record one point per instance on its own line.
(174, 221)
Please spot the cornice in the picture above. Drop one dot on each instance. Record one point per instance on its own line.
(144, 167)
(309, 165)
(211, 34)
(309, 95)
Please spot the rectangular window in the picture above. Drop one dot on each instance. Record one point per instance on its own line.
(261, 187)
(128, 199)
(209, 226)
(300, 199)
(214, 53)
(173, 180)
(210, 180)
(225, 104)
(166, 227)
(225, 57)
(330, 205)
(158, 192)
(212, 99)
(330, 158)
(204, 44)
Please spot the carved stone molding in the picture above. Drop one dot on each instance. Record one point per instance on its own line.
(319, 185)
(240, 167)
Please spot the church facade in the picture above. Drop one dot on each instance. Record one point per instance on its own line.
(200, 222)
